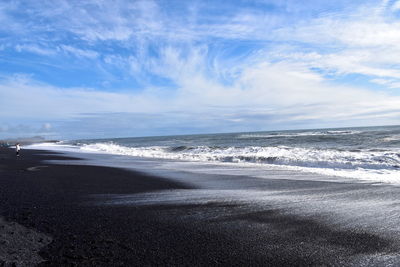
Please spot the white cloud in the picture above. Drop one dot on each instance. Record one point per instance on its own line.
(29, 99)
(396, 6)
(100, 20)
(79, 52)
(264, 94)
(275, 82)
(279, 88)
(364, 41)
(32, 48)
(390, 83)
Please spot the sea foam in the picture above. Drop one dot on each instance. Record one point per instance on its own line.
(361, 164)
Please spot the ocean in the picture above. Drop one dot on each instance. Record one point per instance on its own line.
(367, 153)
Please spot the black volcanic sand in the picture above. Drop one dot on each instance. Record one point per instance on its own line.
(48, 202)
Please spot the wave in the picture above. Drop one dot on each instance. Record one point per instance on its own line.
(393, 138)
(377, 165)
(287, 156)
(313, 133)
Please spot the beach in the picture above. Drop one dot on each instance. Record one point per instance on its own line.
(199, 133)
(75, 212)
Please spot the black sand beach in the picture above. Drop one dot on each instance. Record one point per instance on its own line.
(50, 205)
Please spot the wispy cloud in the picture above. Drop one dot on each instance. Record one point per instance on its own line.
(32, 48)
(79, 52)
(207, 66)
(262, 98)
(363, 41)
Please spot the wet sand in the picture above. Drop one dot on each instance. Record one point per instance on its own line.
(58, 204)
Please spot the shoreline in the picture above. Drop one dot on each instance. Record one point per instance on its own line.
(163, 221)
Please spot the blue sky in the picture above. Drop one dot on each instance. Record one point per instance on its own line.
(86, 69)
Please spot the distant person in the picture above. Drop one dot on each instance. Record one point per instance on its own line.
(17, 149)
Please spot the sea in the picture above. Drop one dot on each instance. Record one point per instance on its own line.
(365, 153)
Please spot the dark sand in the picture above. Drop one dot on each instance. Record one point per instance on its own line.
(49, 203)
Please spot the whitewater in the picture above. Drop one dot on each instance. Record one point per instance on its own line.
(366, 154)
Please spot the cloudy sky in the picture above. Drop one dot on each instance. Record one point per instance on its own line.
(84, 69)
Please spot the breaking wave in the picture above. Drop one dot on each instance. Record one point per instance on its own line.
(362, 153)
(297, 134)
(288, 156)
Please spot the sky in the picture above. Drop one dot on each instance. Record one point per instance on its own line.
(125, 68)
